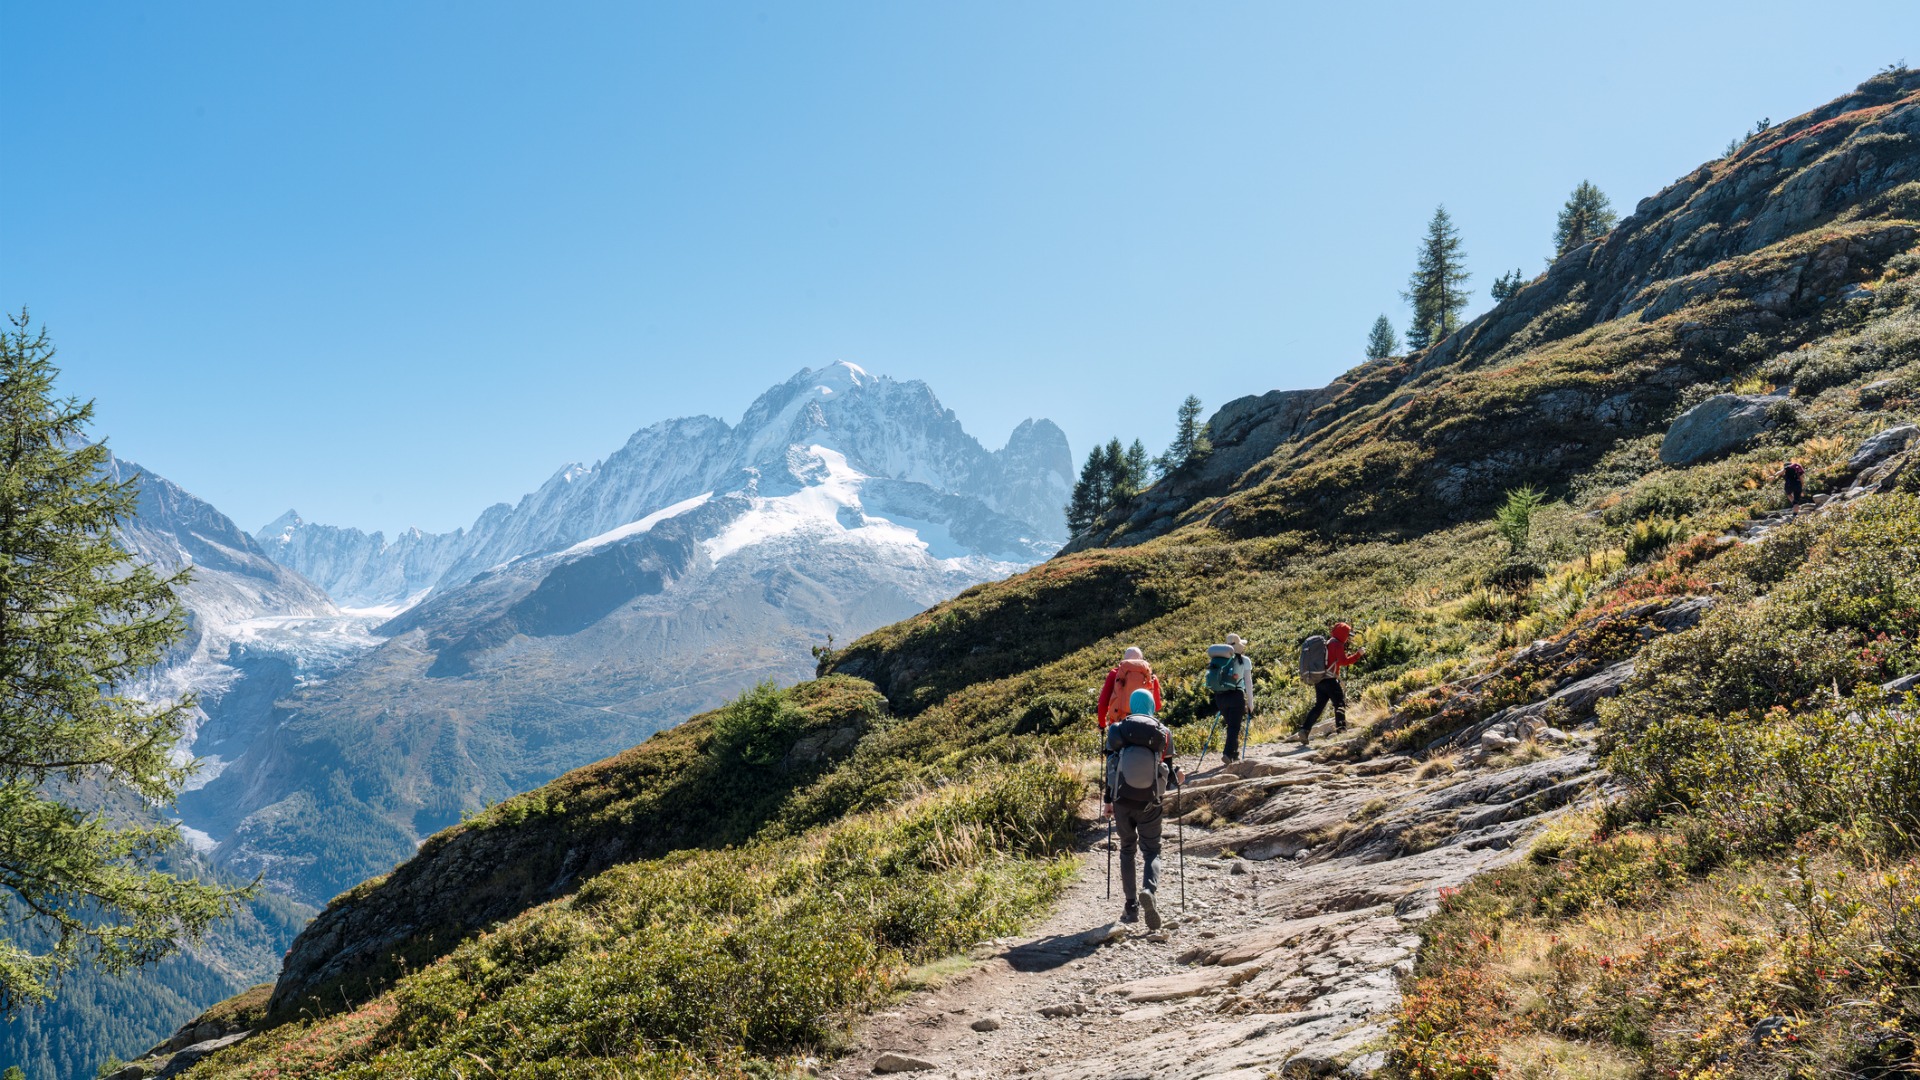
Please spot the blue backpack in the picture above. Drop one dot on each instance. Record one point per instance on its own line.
(1223, 670)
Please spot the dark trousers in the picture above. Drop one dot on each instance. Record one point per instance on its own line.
(1232, 707)
(1795, 491)
(1139, 828)
(1326, 692)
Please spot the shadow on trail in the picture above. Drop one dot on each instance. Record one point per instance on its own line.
(1048, 953)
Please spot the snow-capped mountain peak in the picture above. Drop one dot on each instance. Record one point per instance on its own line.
(872, 428)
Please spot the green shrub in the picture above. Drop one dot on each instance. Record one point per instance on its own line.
(1648, 538)
(1843, 618)
(1053, 714)
(758, 727)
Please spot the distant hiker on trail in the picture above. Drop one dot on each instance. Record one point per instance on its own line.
(1130, 674)
(1321, 659)
(1139, 752)
(1230, 680)
(1794, 475)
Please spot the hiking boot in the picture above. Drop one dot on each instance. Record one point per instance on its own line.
(1339, 723)
(1152, 909)
(1132, 912)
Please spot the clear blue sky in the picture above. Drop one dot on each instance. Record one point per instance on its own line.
(390, 263)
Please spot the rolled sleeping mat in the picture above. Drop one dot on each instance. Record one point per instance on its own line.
(1219, 650)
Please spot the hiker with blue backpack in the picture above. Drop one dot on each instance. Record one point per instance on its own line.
(1140, 768)
(1321, 660)
(1229, 679)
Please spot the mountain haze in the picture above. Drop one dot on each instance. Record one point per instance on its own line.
(697, 560)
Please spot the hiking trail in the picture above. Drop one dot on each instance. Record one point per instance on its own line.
(1303, 908)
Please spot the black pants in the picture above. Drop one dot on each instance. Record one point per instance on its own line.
(1326, 691)
(1795, 491)
(1232, 707)
(1139, 828)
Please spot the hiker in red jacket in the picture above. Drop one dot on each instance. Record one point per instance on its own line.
(1130, 674)
(1321, 660)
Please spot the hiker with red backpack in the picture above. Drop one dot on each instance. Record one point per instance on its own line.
(1229, 679)
(1130, 674)
(1140, 768)
(1794, 476)
(1321, 659)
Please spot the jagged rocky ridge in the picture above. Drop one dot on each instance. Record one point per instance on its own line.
(1849, 166)
(919, 456)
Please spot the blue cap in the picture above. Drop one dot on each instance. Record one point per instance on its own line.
(1141, 703)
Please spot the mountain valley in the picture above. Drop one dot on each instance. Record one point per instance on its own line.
(1655, 656)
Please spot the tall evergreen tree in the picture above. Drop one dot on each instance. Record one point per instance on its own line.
(1133, 471)
(1113, 464)
(1438, 288)
(1382, 342)
(1190, 442)
(1092, 493)
(1586, 215)
(78, 621)
(1112, 475)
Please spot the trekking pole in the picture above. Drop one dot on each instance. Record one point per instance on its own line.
(1180, 828)
(1208, 744)
(1109, 817)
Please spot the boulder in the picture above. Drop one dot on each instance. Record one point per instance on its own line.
(1882, 446)
(190, 1056)
(891, 1062)
(1717, 425)
(1902, 684)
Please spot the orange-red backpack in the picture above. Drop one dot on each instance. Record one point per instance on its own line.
(1132, 675)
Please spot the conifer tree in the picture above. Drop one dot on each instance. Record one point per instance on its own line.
(1092, 493)
(1382, 342)
(1113, 463)
(78, 621)
(1190, 441)
(1586, 215)
(1506, 285)
(1438, 288)
(1133, 472)
(1112, 475)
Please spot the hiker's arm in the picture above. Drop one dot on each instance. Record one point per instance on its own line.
(1106, 693)
(1153, 684)
(1246, 683)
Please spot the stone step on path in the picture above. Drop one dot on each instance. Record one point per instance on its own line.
(1286, 963)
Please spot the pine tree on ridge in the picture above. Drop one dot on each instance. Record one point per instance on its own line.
(1382, 342)
(1587, 215)
(1438, 287)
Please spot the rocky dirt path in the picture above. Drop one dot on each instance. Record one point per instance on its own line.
(1302, 910)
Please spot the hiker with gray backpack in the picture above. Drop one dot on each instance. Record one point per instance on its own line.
(1229, 679)
(1140, 768)
(1321, 659)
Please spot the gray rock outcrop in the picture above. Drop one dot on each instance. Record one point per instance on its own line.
(1882, 446)
(1722, 423)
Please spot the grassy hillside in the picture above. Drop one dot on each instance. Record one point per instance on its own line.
(530, 942)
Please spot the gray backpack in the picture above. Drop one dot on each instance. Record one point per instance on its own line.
(1313, 660)
(1135, 773)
